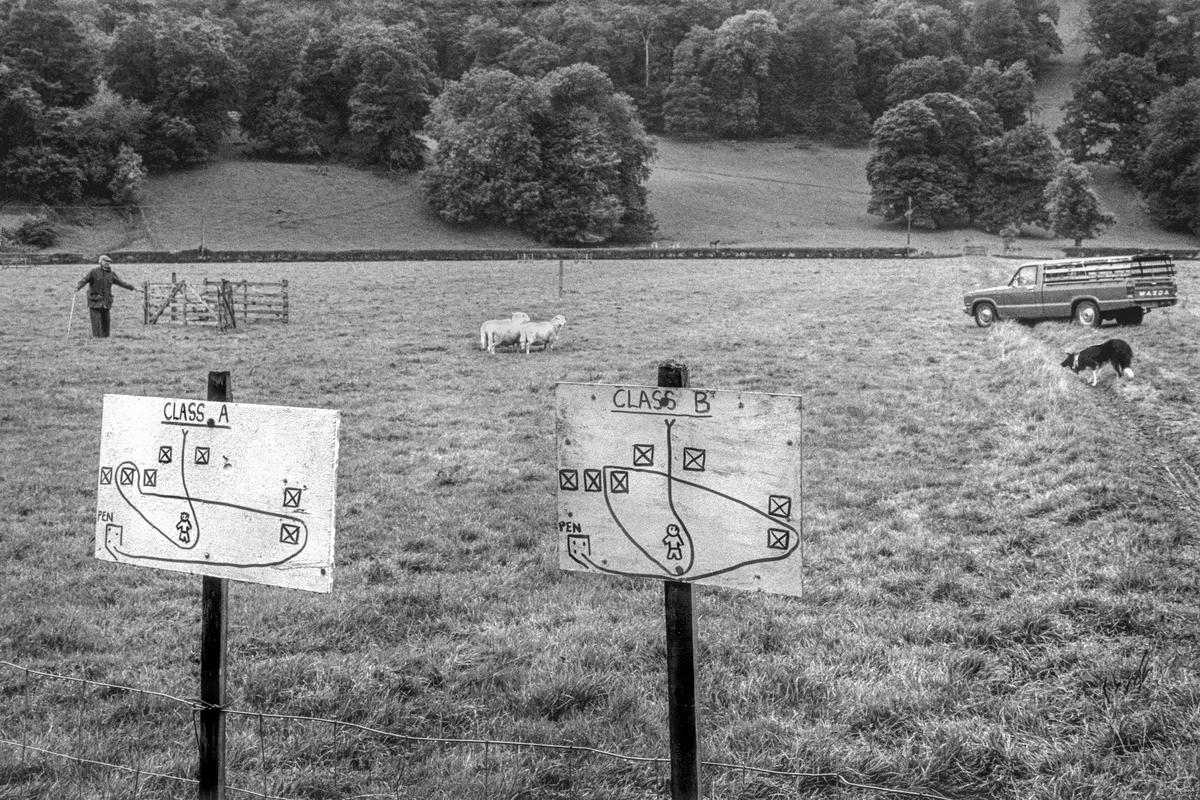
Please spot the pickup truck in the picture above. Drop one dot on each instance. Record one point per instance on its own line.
(1085, 290)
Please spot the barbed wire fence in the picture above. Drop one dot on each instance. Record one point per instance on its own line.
(73, 737)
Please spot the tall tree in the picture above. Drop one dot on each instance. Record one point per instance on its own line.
(1123, 26)
(917, 77)
(877, 52)
(46, 51)
(272, 107)
(364, 90)
(998, 33)
(923, 29)
(1013, 172)
(1007, 92)
(924, 152)
(1041, 22)
(1108, 108)
(687, 104)
(811, 90)
(739, 68)
(392, 71)
(185, 70)
(562, 157)
(1072, 207)
(488, 159)
(1169, 171)
(732, 66)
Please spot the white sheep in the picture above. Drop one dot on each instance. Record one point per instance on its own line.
(544, 333)
(501, 331)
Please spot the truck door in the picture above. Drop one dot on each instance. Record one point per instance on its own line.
(1059, 292)
(1023, 297)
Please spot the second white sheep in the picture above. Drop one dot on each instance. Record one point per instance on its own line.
(543, 333)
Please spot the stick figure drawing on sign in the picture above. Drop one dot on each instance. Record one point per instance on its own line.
(184, 526)
(674, 542)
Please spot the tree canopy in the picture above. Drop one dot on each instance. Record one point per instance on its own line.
(1108, 109)
(1169, 169)
(924, 153)
(563, 157)
(1072, 208)
(938, 157)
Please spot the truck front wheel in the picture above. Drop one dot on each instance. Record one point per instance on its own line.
(1087, 314)
(985, 314)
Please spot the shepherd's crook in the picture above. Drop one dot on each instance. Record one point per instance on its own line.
(72, 317)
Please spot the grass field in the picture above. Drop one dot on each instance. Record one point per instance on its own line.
(1000, 593)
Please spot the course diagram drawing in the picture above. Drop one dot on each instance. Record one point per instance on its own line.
(178, 519)
(682, 484)
(232, 490)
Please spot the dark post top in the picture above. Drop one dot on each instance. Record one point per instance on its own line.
(219, 388)
(672, 375)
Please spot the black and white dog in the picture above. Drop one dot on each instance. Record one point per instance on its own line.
(1112, 351)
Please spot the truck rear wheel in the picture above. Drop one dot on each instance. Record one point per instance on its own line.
(1087, 314)
(985, 315)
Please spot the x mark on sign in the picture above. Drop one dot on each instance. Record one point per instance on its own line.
(105, 476)
(128, 476)
(693, 459)
(201, 455)
(778, 538)
(164, 454)
(568, 480)
(591, 480)
(150, 477)
(618, 481)
(291, 497)
(780, 506)
(289, 533)
(643, 455)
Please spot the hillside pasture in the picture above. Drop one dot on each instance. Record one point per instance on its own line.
(999, 587)
(787, 191)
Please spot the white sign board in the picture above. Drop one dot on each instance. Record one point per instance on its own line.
(230, 490)
(692, 485)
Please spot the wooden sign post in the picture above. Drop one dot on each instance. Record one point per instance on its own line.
(681, 660)
(213, 631)
(223, 490)
(684, 486)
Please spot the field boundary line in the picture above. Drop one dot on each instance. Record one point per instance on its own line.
(730, 252)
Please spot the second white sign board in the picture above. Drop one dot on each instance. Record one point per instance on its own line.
(230, 490)
(693, 485)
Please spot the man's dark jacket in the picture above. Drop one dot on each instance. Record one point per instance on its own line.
(100, 281)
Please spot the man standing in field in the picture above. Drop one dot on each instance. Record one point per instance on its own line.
(100, 280)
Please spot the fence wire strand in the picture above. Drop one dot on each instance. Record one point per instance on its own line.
(194, 706)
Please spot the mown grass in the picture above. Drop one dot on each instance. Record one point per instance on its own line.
(1000, 581)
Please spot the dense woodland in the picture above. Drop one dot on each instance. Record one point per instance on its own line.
(540, 109)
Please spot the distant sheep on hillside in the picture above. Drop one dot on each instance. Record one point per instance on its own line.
(543, 333)
(495, 332)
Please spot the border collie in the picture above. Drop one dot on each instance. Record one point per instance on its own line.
(1112, 351)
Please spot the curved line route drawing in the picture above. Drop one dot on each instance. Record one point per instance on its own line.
(682, 484)
(181, 521)
(657, 512)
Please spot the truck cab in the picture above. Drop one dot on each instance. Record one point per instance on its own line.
(1087, 291)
